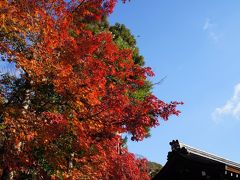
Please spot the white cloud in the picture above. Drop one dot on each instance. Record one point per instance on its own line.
(207, 24)
(211, 29)
(231, 107)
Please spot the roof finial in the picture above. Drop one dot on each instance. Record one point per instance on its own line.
(175, 145)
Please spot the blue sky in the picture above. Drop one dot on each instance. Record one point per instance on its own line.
(196, 44)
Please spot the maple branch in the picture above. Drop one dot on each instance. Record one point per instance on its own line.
(80, 4)
(160, 82)
(96, 114)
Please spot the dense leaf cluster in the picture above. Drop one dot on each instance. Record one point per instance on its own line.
(81, 85)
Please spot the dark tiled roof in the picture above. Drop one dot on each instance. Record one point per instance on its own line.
(208, 155)
(188, 163)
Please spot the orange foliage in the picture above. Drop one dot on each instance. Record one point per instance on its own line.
(77, 137)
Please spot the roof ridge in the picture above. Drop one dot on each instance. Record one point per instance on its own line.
(178, 145)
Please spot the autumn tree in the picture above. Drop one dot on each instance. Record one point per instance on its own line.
(77, 91)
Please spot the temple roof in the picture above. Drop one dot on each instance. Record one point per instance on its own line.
(187, 162)
(176, 144)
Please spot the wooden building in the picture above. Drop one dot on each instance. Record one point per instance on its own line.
(187, 163)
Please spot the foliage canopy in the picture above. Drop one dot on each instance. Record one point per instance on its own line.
(78, 90)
